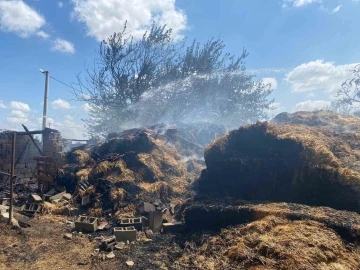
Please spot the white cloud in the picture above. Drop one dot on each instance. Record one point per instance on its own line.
(43, 34)
(68, 126)
(319, 75)
(60, 104)
(104, 17)
(330, 11)
(337, 9)
(299, 3)
(60, 4)
(17, 17)
(310, 95)
(69, 117)
(19, 106)
(17, 117)
(62, 45)
(272, 81)
(2, 105)
(310, 105)
(86, 107)
(18, 114)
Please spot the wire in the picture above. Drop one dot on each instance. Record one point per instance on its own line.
(63, 83)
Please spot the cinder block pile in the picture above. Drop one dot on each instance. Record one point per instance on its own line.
(53, 147)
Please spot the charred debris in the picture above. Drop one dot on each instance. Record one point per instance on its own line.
(277, 195)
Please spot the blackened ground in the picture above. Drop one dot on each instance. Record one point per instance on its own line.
(42, 246)
(215, 214)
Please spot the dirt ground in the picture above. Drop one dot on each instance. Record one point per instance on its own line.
(43, 246)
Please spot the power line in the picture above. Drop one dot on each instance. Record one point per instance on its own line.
(64, 83)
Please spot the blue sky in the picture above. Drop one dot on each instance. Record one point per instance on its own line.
(305, 48)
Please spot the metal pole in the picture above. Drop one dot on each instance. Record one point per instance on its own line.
(45, 98)
(12, 178)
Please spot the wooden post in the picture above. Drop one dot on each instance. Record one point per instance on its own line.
(12, 178)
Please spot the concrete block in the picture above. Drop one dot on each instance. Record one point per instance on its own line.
(67, 196)
(51, 192)
(35, 198)
(155, 221)
(145, 208)
(126, 222)
(71, 212)
(4, 209)
(135, 222)
(56, 197)
(125, 234)
(173, 227)
(31, 208)
(108, 244)
(85, 200)
(86, 224)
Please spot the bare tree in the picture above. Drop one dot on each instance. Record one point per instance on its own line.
(350, 89)
(157, 78)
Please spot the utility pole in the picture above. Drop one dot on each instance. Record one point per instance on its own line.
(45, 98)
(12, 178)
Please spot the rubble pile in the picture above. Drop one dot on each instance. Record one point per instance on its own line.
(138, 165)
(287, 163)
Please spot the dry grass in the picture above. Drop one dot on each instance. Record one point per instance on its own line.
(273, 243)
(128, 212)
(101, 169)
(121, 173)
(90, 190)
(96, 212)
(143, 165)
(292, 163)
(117, 194)
(324, 119)
(83, 174)
(42, 247)
(159, 189)
(79, 157)
(52, 208)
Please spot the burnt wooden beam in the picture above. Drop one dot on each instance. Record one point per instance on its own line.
(32, 139)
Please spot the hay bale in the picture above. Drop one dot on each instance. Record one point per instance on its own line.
(324, 119)
(101, 169)
(78, 156)
(159, 190)
(52, 208)
(83, 174)
(139, 141)
(285, 163)
(273, 243)
(117, 194)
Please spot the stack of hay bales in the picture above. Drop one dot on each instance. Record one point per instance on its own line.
(288, 163)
